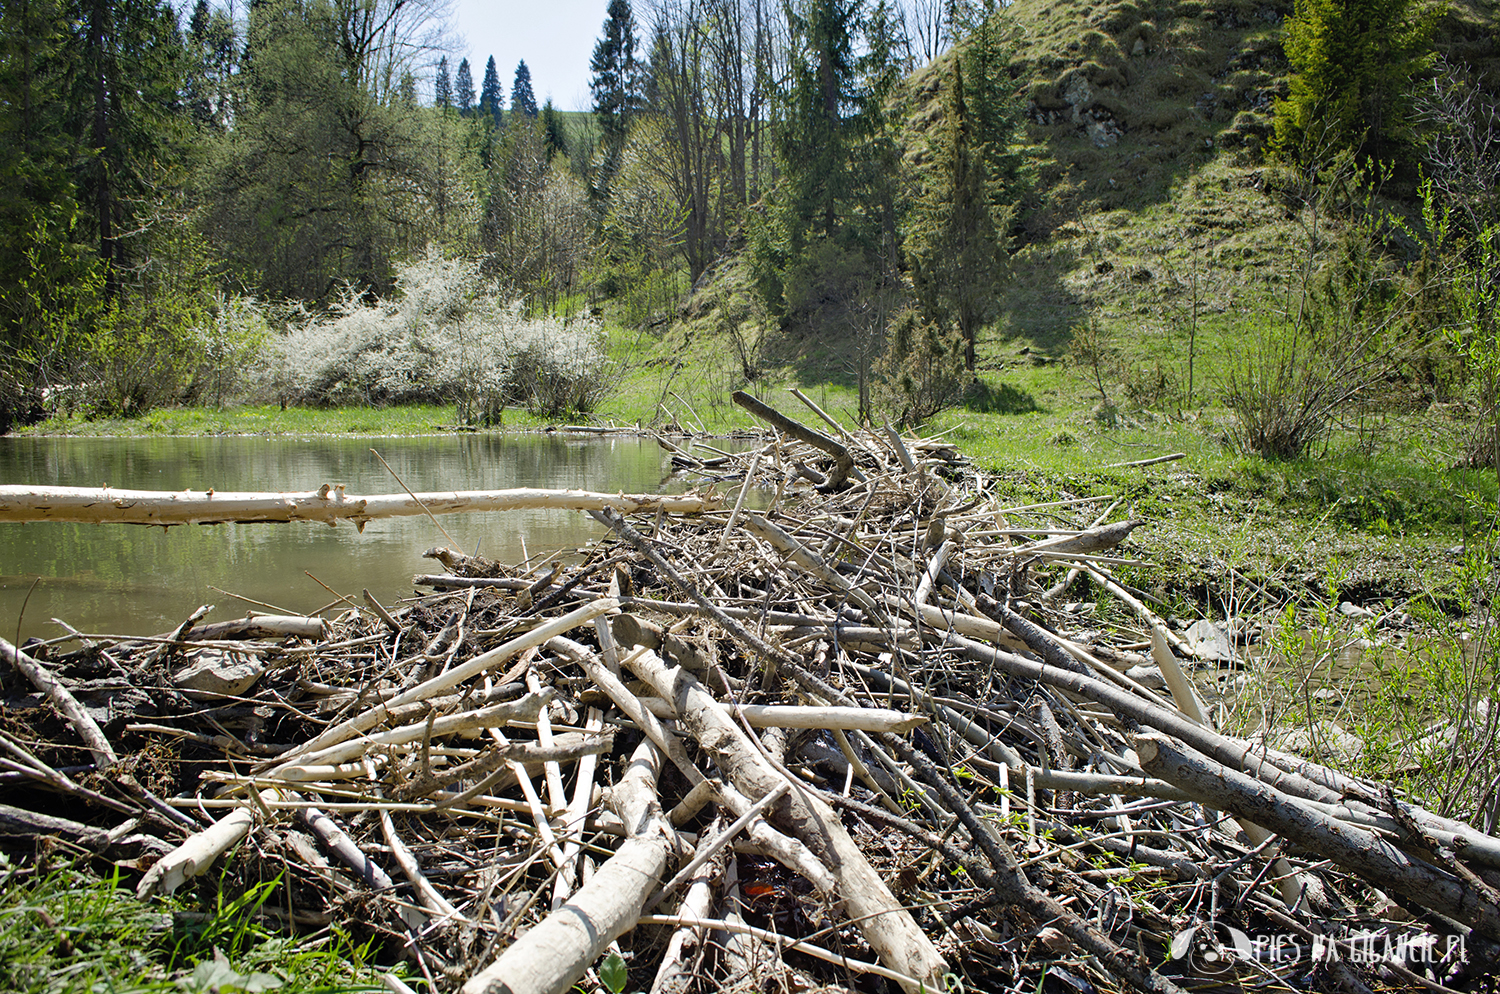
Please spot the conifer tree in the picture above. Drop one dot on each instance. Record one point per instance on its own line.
(1354, 63)
(442, 86)
(955, 244)
(40, 254)
(463, 89)
(554, 134)
(489, 93)
(210, 70)
(522, 97)
(616, 80)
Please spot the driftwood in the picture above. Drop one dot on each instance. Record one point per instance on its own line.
(328, 505)
(866, 741)
(551, 956)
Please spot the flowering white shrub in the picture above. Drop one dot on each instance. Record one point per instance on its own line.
(442, 337)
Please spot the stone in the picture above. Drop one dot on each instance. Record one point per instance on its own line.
(214, 673)
(1326, 740)
(1139, 48)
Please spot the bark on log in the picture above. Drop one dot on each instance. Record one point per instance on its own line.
(887, 926)
(1355, 849)
(18, 822)
(549, 958)
(842, 460)
(326, 504)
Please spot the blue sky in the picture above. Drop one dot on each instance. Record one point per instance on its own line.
(555, 37)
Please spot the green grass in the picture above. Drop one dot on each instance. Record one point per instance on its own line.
(64, 930)
(421, 419)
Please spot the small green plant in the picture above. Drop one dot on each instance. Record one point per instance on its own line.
(612, 973)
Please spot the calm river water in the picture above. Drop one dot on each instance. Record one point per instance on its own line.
(139, 580)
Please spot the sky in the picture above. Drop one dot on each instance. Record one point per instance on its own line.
(556, 38)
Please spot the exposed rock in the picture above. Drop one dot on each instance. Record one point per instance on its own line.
(213, 673)
(1328, 739)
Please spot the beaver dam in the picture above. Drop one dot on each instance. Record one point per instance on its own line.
(849, 740)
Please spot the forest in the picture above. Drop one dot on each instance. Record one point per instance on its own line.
(310, 204)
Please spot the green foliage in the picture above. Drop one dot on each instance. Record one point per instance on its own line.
(522, 96)
(63, 931)
(837, 209)
(1355, 62)
(463, 88)
(616, 82)
(491, 102)
(956, 242)
(922, 370)
(1341, 332)
(612, 973)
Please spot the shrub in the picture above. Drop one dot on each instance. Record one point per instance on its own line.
(443, 337)
(922, 371)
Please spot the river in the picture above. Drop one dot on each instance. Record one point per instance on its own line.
(140, 580)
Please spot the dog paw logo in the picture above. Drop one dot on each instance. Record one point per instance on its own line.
(1211, 950)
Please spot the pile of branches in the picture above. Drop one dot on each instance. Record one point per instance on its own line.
(831, 733)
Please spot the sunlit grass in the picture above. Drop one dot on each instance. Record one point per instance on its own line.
(63, 930)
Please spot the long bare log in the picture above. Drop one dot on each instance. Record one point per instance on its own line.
(326, 504)
(1360, 851)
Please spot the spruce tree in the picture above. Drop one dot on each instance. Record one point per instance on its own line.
(955, 243)
(1354, 63)
(463, 89)
(210, 71)
(616, 81)
(554, 134)
(442, 86)
(489, 93)
(41, 259)
(522, 97)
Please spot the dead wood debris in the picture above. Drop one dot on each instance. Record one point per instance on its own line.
(835, 735)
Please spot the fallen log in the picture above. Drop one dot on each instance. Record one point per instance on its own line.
(549, 958)
(1356, 849)
(327, 504)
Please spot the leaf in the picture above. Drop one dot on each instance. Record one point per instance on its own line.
(612, 972)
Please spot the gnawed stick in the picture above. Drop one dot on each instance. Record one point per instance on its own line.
(789, 852)
(811, 716)
(1353, 848)
(83, 723)
(843, 461)
(551, 957)
(452, 678)
(885, 923)
(675, 975)
(197, 853)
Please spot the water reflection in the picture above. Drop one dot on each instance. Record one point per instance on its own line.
(131, 579)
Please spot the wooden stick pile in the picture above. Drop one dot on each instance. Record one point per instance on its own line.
(840, 732)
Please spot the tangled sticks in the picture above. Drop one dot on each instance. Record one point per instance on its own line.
(838, 732)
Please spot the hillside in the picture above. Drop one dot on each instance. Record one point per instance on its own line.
(1144, 131)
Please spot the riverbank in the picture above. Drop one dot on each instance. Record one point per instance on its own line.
(1384, 525)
